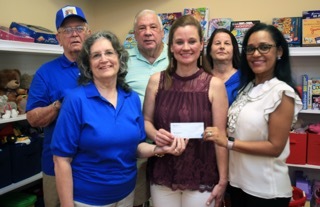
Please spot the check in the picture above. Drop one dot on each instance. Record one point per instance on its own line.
(189, 130)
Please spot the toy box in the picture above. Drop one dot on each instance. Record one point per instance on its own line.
(218, 23)
(311, 32)
(5, 34)
(26, 159)
(5, 172)
(202, 15)
(40, 34)
(298, 149)
(18, 199)
(240, 28)
(311, 14)
(290, 28)
(313, 157)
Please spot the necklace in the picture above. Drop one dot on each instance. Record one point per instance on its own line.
(237, 106)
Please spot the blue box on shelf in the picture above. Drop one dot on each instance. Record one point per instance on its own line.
(40, 34)
(5, 172)
(26, 159)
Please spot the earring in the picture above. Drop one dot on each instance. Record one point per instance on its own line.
(279, 58)
(200, 61)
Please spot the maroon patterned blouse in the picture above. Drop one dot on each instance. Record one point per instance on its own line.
(186, 101)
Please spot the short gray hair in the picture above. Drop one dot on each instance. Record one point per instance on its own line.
(144, 12)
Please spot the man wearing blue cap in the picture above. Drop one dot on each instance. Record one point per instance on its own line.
(49, 85)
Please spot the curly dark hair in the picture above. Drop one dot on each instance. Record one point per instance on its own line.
(83, 60)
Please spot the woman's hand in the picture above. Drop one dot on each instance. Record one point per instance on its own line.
(176, 148)
(217, 194)
(213, 134)
(163, 138)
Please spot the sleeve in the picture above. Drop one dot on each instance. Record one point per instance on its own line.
(66, 136)
(275, 97)
(38, 95)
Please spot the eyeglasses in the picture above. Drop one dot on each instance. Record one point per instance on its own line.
(69, 30)
(107, 53)
(263, 49)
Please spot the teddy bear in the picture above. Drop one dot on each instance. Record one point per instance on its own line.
(9, 83)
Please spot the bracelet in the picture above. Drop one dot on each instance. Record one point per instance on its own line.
(155, 154)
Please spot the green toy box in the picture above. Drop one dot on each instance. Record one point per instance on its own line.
(17, 199)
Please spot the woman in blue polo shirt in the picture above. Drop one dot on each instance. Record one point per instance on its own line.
(100, 130)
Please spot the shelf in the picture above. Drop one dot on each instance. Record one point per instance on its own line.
(18, 118)
(304, 51)
(305, 166)
(310, 111)
(21, 183)
(16, 46)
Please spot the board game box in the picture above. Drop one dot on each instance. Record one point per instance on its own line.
(240, 28)
(290, 28)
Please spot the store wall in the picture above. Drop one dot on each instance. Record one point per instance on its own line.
(117, 15)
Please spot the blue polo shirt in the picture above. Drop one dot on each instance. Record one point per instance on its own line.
(102, 142)
(50, 83)
(140, 69)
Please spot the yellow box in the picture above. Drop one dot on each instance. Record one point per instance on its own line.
(311, 32)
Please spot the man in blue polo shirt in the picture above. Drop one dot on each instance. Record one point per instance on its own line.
(148, 57)
(49, 85)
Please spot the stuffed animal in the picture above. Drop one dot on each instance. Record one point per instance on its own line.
(7, 109)
(22, 97)
(9, 83)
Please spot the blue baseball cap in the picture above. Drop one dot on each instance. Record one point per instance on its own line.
(68, 11)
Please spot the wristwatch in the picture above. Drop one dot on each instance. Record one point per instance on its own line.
(230, 143)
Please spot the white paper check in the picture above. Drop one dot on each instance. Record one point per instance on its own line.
(189, 130)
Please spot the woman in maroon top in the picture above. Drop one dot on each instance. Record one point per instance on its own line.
(186, 92)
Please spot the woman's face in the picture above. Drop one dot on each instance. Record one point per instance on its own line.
(263, 64)
(222, 48)
(104, 61)
(186, 45)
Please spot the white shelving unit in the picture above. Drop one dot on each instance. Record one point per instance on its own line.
(27, 57)
(306, 60)
(18, 118)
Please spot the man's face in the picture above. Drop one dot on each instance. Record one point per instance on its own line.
(148, 32)
(72, 34)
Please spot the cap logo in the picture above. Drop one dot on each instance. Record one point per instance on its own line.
(68, 11)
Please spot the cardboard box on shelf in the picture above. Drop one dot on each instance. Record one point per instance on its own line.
(311, 32)
(290, 27)
(298, 149)
(5, 34)
(40, 34)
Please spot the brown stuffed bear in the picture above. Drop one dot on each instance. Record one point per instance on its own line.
(9, 83)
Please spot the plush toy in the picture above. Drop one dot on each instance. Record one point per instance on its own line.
(9, 83)
(25, 81)
(7, 109)
(22, 91)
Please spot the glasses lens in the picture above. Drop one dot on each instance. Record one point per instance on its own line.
(70, 30)
(249, 50)
(80, 29)
(264, 48)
